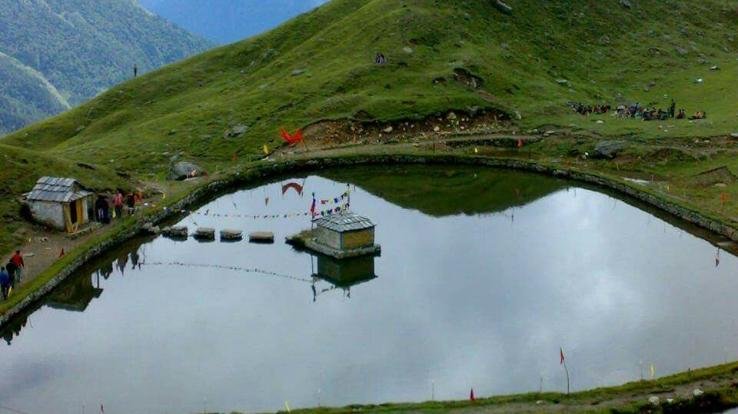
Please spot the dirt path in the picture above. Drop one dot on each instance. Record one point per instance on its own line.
(43, 249)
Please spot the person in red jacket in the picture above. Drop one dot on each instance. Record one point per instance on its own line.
(17, 260)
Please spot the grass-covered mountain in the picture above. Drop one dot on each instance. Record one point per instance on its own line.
(320, 66)
(55, 54)
(226, 21)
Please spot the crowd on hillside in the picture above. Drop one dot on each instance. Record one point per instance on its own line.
(636, 111)
(107, 208)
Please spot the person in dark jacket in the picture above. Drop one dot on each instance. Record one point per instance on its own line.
(4, 283)
(12, 269)
(102, 209)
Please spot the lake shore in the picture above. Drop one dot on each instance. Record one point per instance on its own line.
(715, 382)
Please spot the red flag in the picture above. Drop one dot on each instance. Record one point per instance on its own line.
(291, 139)
(561, 352)
(312, 208)
(471, 395)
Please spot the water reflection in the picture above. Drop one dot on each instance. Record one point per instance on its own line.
(342, 273)
(475, 289)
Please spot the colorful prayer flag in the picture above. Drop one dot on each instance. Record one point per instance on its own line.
(266, 149)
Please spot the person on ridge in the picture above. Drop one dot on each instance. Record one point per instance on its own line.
(17, 260)
(4, 283)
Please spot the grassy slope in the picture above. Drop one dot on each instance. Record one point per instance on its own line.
(520, 58)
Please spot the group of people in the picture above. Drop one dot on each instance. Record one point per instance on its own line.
(583, 109)
(637, 111)
(10, 274)
(106, 208)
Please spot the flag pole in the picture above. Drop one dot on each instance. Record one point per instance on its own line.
(566, 369)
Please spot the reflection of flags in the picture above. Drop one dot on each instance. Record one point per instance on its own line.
(561, 352)
(297, 187)
(291, 139)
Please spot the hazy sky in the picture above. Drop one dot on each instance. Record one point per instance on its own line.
(226, 21)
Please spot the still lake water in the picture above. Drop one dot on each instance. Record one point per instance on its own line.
(483, 276)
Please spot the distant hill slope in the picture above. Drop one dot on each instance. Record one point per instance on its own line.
(57, 53)
(321, 66)
(226, 21)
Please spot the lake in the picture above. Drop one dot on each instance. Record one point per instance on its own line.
(484, 275)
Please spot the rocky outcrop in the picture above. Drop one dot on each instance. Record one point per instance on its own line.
(608, 149)
(183, 170)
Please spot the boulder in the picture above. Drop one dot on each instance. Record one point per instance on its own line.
(183, 170)
(151, 229)
(734, 135)
(236, 131)
(608, 149)
(502, 6)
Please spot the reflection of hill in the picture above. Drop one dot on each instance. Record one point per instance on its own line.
(442, 191)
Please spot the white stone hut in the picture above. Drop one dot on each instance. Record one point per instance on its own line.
(60, 203)
(344, 235)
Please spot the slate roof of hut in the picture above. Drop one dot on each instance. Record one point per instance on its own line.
(344, 222)
(62, 190)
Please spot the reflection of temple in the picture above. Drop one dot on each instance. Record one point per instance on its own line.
(343, 273)
(75, 295)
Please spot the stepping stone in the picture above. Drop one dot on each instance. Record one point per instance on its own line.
(176, 232)
(261, 237)
(231, 235)
(205, 233)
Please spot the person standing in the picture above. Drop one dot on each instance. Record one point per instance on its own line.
(12, 270)
(4, 283)
(20, 265)
(118, 204)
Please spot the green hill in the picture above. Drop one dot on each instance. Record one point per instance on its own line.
(57, 53)
(320, 66)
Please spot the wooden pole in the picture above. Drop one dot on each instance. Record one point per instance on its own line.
(567, 377)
